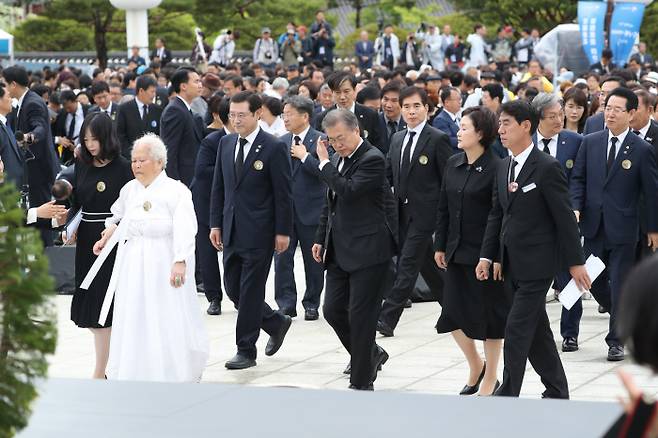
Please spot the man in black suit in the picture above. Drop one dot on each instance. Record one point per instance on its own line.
(390, 118)
(643, 125)
(32, 119)
(308, 192)
(201, 187)
(416, 161)
(100, 91)
(10, 153)
(138, 116)
(605, 66)
(596, 123)
(343, 88)
(250, 218)
(355, 241)
(161, 53)
(68, 123)
(531, 218)
(179, 129)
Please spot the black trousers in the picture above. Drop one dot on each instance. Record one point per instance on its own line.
(416, 257)
(285, 288)
(528, 336)
(208, 264)
(351, 306)
(245, 275)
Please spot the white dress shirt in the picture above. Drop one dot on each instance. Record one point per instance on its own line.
(644, 130)
(414, 142)
(189, 108)
(620, 140)
(552, 146)
(520, 160)
(140, 107)
(247, 147)
(341, 161)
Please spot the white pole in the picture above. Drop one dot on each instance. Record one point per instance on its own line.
(137, 32)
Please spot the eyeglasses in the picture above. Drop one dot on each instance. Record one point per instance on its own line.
(555, 116)
(615, 109)
(239, 116)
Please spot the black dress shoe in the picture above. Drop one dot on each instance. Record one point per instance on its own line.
(384, 329)
(616, 353)
(215, 307)
(200, 288)
(470, 390)
(370, 387)
(291, 312)
(239, 362)
(407, 304)
(311, 314)
(276, 341)
(348, 368)
(569, 344)
(602, 309)
(381, 357)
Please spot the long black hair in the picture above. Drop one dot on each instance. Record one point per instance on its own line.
(102, 128)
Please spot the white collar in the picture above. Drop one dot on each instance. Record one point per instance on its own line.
(20, 101)
(3, 119)
(189, 108)
(387, 120)
(418, 128)
(452, 116)
(645, 129)
(523, 156)
(357, 148)
(78, 111)
(620, 138)
(251, 137)
(302, 134)
(353, 107)
(540, 136)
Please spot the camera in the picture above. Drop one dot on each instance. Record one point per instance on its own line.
(268, 54)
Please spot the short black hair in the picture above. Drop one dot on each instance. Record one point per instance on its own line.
(301, 104)
(213, 103)
(2, 90)
(495, 90)
(103, 129)
(337, 78)
(648, 99)
(223, 109)
(408, 92)
(485, 122)
(236, 80)
(394, 86)
(180, 76)
(446, 91)
(99, 87)
(17, 74)
(312, 89)
(273, 105)
(144, 82)
(631, 98)
(40, 89)
(621, 81)
(606, 53)
(368, 93)
(67, 96)
(638, 322)
(521, 111)
(254, 100)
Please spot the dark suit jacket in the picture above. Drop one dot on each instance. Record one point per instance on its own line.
(598, 68)
(308, 190)
(113, 110)
(464, 207)
(651, 137)
(525, 228)
(384, 129)
(648, 59)
(425, 174)
(182, 134)
(594, 123)
(130, 125)
(204, 171)
(444, 123)
(11, 156)
(613, 198)
(34, 118)
(568, 143)
(250, 211)
(354, 225)
(369, 51)
(367, 122)
(166, 57)
(59, 130)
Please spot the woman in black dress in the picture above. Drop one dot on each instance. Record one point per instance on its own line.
(472, 309)
(100, 173)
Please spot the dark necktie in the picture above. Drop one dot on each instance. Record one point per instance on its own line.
(145, 111)
(392, 128)
(345, 164)
(612, 152)
(546, 142)
(239, 160)
(297, 139)
(512, 175)
(71, 131)
(406, 164)
(636, 132)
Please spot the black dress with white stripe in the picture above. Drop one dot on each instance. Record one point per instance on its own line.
(95, 190)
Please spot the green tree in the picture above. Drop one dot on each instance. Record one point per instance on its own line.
(649, 30)
(521, 13)
(46, 34)
(27, 321)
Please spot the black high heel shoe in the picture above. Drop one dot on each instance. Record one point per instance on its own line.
(470, 390)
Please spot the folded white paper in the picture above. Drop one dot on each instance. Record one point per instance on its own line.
(570, 294)
(72, 227)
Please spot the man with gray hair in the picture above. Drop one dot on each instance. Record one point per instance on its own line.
(562, 144)
(355, 241)
(308, 193)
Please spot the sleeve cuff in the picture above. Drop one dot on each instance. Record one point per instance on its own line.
(53, 223)
(322, 164)
(482, 259)
(303, 160)
(31, 215)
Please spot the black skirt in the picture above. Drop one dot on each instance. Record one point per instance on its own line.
(478, 308)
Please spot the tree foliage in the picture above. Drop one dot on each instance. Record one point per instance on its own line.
(649, 30)
(27, 322)
(45, 34)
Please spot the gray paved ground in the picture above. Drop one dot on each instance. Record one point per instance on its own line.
(421, 360)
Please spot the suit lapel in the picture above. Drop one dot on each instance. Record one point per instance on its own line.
(527, 170)
(420, 146)
(12, 142)
(624, 152)
(254, 151)
(503, 193)
(395, 151)
(561, 149)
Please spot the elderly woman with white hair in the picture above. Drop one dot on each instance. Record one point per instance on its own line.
(158, 333)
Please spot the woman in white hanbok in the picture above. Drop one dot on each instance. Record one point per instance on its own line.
(158, 333)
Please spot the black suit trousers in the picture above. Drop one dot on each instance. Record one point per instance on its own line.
(208, 262)
(245, 275)
(351, 307)
(416, 257)
(528, 336)
(285, 288)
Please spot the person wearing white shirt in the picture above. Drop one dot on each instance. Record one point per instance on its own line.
(479, 47)
(223, 48)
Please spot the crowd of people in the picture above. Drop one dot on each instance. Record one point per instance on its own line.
(473, 167)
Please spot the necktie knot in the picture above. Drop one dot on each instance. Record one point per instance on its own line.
(546, 142)
(297, 139)
(636, 132)
(243, 142)
(512, 173)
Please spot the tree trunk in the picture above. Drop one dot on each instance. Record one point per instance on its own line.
(100, 33)
(357, 7)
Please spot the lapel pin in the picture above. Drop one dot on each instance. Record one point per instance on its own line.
(423, 159)
(100, 186)
(479, 168)
(569, 164)
(626, 164)
(513, 187)
(258, 165)
(147, 206)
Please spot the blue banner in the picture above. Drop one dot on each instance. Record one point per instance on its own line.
(624, 30)
(591, 19)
